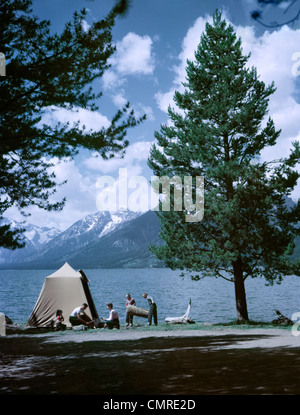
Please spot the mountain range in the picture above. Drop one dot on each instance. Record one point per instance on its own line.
(100, 240)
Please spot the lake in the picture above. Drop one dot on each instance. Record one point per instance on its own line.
(213, 299)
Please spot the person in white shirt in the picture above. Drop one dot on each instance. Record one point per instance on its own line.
(78, 317)
(112, 322)
(152, 310)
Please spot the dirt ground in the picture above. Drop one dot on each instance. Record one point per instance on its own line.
(149, 362)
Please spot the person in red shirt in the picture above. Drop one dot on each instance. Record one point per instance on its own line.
(129, 318)
(59, 321)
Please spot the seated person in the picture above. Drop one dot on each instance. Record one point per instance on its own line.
(59, 325)
(112, 322)
(78, 317)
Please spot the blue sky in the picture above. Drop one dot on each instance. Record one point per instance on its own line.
(153, 42)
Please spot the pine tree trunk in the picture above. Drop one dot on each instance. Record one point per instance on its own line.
(240, 293)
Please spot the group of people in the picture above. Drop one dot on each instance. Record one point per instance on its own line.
(79, 316)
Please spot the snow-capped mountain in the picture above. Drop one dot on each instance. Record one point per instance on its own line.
(44, 245)
(39, 236)
(87, 230)
(35, 238)
(96, 225)
(127, 246)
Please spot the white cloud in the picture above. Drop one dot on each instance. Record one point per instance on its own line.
(127, 191)
(119, 100)
(134, 159)
(123, 177)
(91, 119)
(85, 26)
(148, 111)
(139, 109)
(132, 164)
(112, 80)
(133, 56)
(272, 54)
(79, 191)
(164, 99)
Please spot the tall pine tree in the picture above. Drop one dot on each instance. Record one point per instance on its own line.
(219, 132)
(47, 71)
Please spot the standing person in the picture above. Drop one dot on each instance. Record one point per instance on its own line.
(152, 310)
(113, 319)
(129, 317)
(78, 317)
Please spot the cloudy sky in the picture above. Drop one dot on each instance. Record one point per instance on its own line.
(153, 42)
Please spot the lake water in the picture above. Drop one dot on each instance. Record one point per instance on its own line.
(213, 299)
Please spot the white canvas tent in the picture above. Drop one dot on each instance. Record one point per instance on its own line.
(65, 289)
